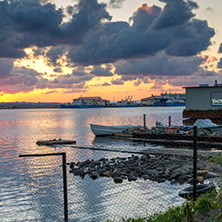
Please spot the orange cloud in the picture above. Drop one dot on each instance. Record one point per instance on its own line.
(144, 6)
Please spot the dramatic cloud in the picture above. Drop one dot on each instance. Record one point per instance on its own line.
(20, 80)
(160, 65)
(175, 13)
(117, 82)
(6, 68)
(91, 41)
(100, 71)
(156, 42)
(172, 30)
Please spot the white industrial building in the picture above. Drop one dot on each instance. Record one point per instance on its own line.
(204, 97)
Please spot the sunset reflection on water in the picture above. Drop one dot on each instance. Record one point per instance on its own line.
(32, 187)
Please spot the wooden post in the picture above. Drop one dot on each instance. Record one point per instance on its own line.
(144, 121)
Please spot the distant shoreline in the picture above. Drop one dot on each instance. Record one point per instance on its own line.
(29, 107)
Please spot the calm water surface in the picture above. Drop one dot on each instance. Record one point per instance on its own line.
(31, 188)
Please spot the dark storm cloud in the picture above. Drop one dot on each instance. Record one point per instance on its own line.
(70, 80)
(54, 54)
(87, 36)
(160, 65)
(32, 23)
(190, 39)
(176, 12)
(87, 15)
(100, 71)
(172, 30)
(6, 68)
(26, 23)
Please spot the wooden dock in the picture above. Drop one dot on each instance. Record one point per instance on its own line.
(55, 142)
(174, 140)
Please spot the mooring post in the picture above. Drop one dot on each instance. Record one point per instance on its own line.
(194, 163)
(144, 121)
(169, 120)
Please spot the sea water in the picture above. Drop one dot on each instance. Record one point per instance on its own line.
(31, 189)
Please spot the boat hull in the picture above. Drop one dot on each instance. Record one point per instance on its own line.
(100, 130)
(80, 106)
(123, 106)
(169, 104)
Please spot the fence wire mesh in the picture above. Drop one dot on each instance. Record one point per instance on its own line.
(44, 179)
(133, 174)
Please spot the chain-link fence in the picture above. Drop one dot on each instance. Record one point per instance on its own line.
(45, 175)
(112, 181)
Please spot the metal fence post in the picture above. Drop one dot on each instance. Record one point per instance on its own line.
(144, 121)
(65, 187)
(194, 163)
(169, 120)
(64, 177)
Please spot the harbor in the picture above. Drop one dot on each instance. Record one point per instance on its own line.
(23, 180)
(73, 125)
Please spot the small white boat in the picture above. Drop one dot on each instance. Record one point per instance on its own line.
(101, 130)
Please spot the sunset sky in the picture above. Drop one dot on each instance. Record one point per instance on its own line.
(54, 51)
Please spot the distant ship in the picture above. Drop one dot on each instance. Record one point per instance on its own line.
(124, 103)
(85, 102)
(171, 103)
(168, 99)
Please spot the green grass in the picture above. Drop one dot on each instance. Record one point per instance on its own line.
(217, 159)
(208, 205)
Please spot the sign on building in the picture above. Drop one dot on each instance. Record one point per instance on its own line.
(216, 98)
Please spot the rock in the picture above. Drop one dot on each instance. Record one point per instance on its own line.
(182, 179)
(118, 179)
(200, 179)
(218, 168)
(202, 172)
(145, 177)
(175, 175)
(106, 174)
(132, 176)
(72, 165)
(93, 175)
(154, 167)
(173, 181)
(116, 173)
(210, 175)
(96, 162)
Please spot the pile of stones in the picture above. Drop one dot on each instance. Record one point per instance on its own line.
(177, 169)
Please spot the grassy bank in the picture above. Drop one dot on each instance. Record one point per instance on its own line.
(207, 208)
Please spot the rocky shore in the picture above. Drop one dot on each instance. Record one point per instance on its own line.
(158, 167)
